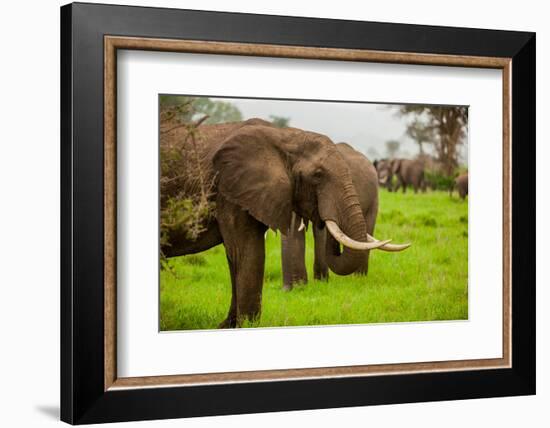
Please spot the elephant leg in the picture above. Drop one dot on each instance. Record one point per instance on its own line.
(293, 256)
(243, 238)
(231, 320)
(320, 267)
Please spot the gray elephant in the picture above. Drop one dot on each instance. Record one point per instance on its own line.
(262, 175)
(408, 172)
(293, 244)
(461, 184)
(385, 174)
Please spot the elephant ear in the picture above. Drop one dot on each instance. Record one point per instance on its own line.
(395, 165)
(252, 173)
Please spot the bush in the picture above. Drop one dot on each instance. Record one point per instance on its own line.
(186, 192)
(438, 181)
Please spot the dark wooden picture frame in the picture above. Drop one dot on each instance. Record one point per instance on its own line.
(90, 389)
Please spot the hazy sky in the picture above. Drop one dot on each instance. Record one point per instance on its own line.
(362, 125)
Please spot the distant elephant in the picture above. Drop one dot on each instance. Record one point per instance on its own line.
(461, 184)
(409, 173)
(384, 172)
(263, 174)
(364, 178)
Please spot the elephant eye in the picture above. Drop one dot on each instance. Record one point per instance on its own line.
(318, 173)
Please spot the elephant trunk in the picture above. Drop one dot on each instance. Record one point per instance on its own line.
(346, 225)
(351, 222)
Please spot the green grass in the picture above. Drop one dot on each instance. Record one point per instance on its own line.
(428, 281)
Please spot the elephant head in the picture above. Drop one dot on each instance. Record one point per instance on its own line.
(384, 170)
(272, 172)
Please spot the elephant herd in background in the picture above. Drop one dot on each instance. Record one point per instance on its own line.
(408, 172)
(284, 179)
(412, 172)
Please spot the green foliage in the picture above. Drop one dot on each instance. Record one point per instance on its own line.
(216, 110)
(427, 282)
(279, 121)
(176, 109)
(438, 181)
(185, 215)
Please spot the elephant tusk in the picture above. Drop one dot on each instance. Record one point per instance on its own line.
(302, 225)
(346, 241)
(388, 247)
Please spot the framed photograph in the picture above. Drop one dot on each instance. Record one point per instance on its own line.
(266, 213)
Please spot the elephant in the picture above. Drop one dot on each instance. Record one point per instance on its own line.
(385, 173)
(364, 177)
(409, 172)
(461, 184)
(262, 175)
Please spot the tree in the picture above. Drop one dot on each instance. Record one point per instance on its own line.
(420, 133)
(217, 111)
(447, 126)
(392, 147)
(279, 121)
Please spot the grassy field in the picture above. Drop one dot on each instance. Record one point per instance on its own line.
(429, 281)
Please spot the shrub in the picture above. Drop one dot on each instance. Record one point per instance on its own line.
(438, 181)
(185, 208)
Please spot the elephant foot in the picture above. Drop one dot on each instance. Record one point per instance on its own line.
(294, 282)
(321, 276)
(229, 322)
